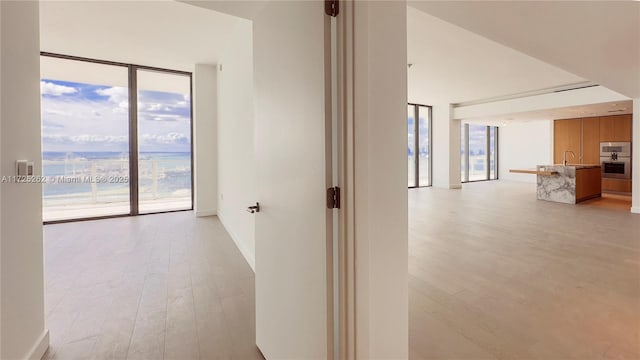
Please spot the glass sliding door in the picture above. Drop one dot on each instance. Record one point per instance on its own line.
(85, 139)
(493, 152)
(116, 139)
(479, 153)
(411, 146)
(164, 141)
(464, 159)
(424, 148)
(419, 145)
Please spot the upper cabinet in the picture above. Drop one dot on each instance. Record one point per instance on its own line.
(615, 128)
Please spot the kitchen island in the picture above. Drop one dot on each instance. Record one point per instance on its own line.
(568, 184)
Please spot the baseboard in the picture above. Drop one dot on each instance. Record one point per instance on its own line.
(250, 259)
(455, 186)
(635, 210)
(202, 213)
(40, 347)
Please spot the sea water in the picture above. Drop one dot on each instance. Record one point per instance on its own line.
(90, 177)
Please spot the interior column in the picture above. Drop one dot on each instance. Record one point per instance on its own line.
(205, 140)
(446, 148)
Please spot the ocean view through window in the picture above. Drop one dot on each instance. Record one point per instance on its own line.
(86, 144)
(419, 119)
(164, 141)
(478, 152)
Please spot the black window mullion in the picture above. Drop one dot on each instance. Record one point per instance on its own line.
(416, 142)
(495, 152)
(466, 152)
(488, 152)
(430, 132)
(133, 139)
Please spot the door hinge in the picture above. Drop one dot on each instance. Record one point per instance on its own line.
(332, 7)
(333, 197)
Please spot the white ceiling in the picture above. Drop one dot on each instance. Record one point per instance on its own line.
(164, 34)
(597, 40)
(453, 65)
(603, 109)
(246, 9)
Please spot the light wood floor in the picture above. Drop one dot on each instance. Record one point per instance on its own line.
(496, 274)
(150, 287)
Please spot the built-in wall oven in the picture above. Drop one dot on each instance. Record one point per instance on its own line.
(615, 159)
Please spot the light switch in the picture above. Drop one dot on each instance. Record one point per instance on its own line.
(22, 167)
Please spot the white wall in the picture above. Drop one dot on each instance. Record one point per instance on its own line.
(523, 145)
(236, 156)
(205, 139)
(380, 145)
(23, 332)
(635, 207)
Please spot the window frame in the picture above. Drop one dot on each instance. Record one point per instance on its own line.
(416, 144)
(465, 170)
(133, 133)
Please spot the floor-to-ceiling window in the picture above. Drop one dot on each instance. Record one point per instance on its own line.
(479, 153)
(116, 139)
(419, 145)
(164, 141)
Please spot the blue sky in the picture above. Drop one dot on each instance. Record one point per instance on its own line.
(79, 117)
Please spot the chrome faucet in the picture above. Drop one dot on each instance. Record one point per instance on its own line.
(564, 156)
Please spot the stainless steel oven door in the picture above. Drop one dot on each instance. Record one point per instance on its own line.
(619, 169)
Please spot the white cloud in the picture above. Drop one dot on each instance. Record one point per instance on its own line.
(118, 95)
(47, 88)
(83, 139)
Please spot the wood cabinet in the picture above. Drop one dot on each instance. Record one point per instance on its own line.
(582, 136)
(591, 140)
(616, 185)
(588, 184)
(615, 128)
(567, 137)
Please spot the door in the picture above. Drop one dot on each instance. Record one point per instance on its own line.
(292, 252)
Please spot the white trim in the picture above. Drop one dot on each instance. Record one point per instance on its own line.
(635, 210)
(579, 97)
(40, 347)
(202, 213)
(567, 87)
(247, 255)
